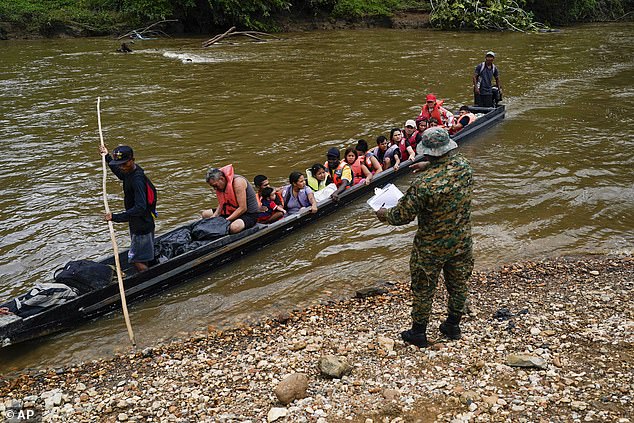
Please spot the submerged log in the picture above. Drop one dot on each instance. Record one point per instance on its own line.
(141, 31)
(218, 37)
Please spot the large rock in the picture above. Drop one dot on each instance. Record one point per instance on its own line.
(291, 388)
(276, 413)
(385, 343)
(371, 291)
(333, 366)
(525, 360)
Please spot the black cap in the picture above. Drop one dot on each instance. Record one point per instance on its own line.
(121, 154)
(333, 152)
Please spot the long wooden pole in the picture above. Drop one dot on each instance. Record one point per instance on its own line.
(124, 304)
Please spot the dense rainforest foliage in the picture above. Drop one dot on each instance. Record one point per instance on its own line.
(95, 17)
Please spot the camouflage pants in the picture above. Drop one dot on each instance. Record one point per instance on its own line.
(457, 271)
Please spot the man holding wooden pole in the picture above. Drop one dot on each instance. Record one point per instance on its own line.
(140, 204)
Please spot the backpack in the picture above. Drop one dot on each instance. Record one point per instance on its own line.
(84, 275)
(151, 196)
(481, 67)
(39, 298)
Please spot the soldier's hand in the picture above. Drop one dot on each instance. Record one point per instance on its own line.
(419, 166)
(380, 214)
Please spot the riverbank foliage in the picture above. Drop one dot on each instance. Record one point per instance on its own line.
(564, 12)
(484, 15)
(100, 17)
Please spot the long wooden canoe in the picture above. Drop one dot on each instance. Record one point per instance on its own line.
(15, 329)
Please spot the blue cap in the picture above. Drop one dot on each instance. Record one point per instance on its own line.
(121, 154)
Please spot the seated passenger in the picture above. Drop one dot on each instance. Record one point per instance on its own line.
(432, 122)
(421, 125)
(317, 178)
(339, 171)
(371, 162)
(412, 136)
(406, 150)
(387, 154)
(261, 182)
(434, 109)
(360, 172)
(465, 118)
(298, 195)
(271, 204)
(237, 201)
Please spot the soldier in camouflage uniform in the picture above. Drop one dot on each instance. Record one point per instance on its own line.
(441, 199)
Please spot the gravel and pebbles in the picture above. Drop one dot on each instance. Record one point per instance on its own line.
(547, 341)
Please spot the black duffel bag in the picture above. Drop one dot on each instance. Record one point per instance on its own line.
(209, 229)
(84, 275)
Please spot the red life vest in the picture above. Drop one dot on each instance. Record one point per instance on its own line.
(336, 174)
(439, 113)
(227, 201)
(412, 139)
(403, 144)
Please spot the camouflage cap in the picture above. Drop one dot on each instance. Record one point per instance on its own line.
(435, 142)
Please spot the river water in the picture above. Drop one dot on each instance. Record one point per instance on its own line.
(554, 178)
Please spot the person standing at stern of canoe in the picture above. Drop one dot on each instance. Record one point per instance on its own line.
(483, 77)
(237, 201)
(139, 198)
(441, 200)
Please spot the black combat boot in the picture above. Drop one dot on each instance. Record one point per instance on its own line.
(416, 335)
(451, 327)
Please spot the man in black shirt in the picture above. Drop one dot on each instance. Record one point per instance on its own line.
(140, 205)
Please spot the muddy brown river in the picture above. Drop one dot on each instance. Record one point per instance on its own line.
(554, 178)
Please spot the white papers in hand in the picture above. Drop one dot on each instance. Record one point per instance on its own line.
(386, 197)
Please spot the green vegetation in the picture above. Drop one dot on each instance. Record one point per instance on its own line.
(477, 14)
(45, 17)
(562, 12)
(98, 17)
(520, 15)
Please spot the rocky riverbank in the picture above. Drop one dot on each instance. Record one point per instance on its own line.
(543, 341)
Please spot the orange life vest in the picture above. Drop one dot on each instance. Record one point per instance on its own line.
(357, 172)
(336, 174)
(369, 164)
(227, 201)
(471, 117)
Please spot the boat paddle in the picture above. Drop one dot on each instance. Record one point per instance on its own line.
(124, 304)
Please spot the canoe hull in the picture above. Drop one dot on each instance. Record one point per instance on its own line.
(200, 261)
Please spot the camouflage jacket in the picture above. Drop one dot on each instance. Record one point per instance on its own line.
(441, 199)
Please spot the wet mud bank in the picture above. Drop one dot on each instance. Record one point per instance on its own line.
(542, 341)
